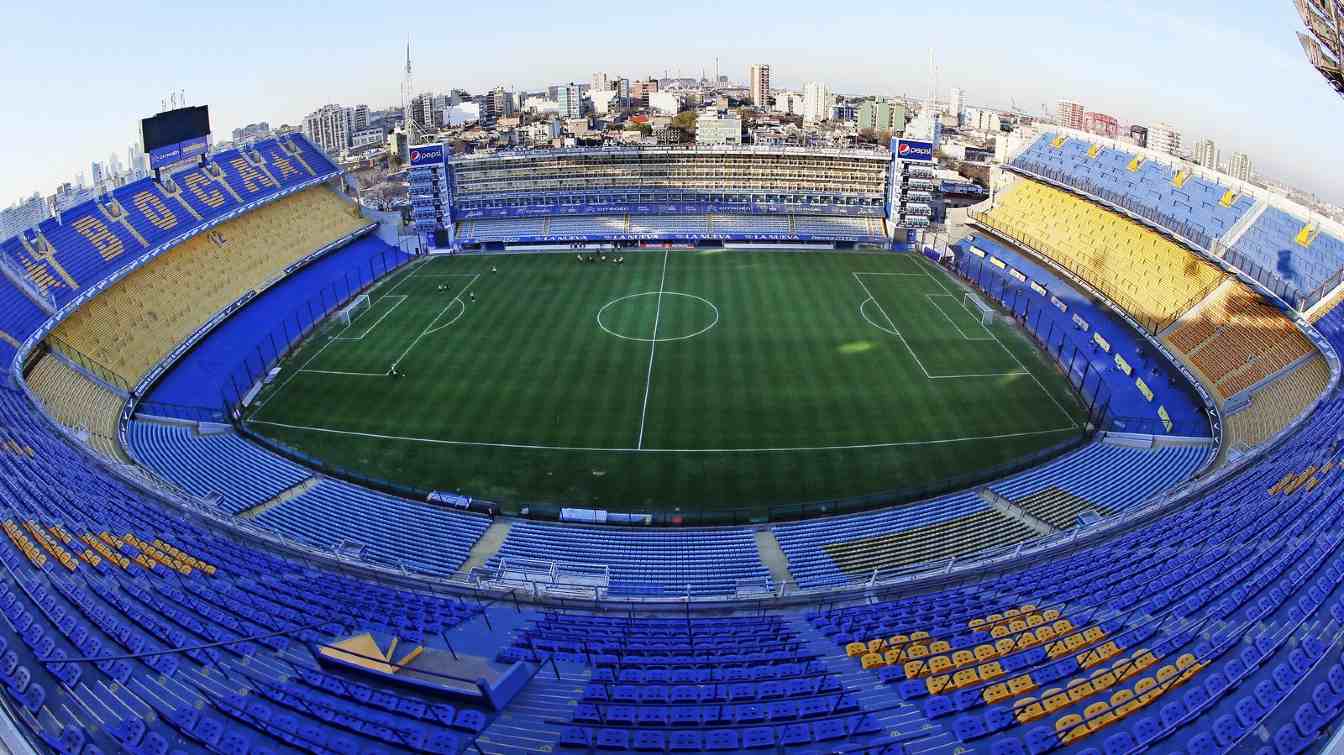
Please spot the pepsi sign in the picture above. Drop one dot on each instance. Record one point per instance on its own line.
(912, 150)
(427, 154)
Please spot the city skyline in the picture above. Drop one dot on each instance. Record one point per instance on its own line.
(1241, 80)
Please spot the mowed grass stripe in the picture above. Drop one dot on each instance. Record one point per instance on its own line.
(791, 363)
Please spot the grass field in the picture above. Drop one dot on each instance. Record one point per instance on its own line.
(679, 380)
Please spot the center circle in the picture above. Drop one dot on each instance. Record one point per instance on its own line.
(677, 316)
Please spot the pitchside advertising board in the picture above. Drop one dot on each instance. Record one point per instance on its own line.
(427, 154)
(176, 135)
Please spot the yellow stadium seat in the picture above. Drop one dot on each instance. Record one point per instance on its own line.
(995, 692)
(1098, 716)
(1028, 709)
(1021, 683)
(938, 684)
(985, 652)
(963, 658)
(991, 670)
(1146, 690)
(855, 649)
(913, 669)
(875, 646)
(940, 664)
(892, 656)
(1079, 689)
(964, 678)
(1054, 698)
(1123, 702)
(1166, 674)
(872, 661)
(1070, 727)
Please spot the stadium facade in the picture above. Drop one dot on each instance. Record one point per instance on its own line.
(251, 605)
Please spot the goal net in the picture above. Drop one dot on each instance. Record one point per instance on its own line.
(351, 312)
(974, 305)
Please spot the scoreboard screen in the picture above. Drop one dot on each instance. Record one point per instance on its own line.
(176, 134)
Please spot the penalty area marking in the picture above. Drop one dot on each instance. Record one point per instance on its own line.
(933, 301)
(792, 449)
(659, 339)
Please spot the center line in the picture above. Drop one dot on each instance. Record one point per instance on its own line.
(648, 375)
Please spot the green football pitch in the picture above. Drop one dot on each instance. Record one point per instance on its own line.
(679, 381)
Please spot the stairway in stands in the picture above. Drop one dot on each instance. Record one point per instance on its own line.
(902, 721)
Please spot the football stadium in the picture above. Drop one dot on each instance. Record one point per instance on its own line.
(672, 449)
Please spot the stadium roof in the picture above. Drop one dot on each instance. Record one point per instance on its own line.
(1324, 44)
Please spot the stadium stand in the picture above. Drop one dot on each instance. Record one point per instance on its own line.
(1195, 207)
(1236, 340)
(1085, 480)
(130, 327)
(216, 657)
(1212, 626)
(1276, 405)
(248, 480)
(86, 243)
(838, 550)
(19, 318)
(79, 403)
(1137, 644)
(218, 465)
(1150, 277)
(396, 532)
(1281, 247)
(702, 685)
(644, 562)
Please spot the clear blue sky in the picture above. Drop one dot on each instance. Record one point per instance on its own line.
(78, 76)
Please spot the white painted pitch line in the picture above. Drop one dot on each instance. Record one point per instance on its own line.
(281, 388)
(793, 449)
(1007, 351)
(933, 301)
(653, 349)
(340, 372)
(429, 328)
(859, 277)
(400, 299)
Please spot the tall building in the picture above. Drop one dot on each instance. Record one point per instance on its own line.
(1101, 124)
(329, 126)
(359, 118)
(759, 85)
(1206, 154)
(718, 127)
(1070, 114)
(956, 103)
(497, 104)
(571, 106)
(114, 165)
(1138, 135)
(882, 115)
(1239, 166)
(422, 111)
(817, 101)
(24, 214)
(601, 83)
(640, 91)
(1164, 137)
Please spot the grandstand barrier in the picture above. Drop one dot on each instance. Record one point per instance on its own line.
(1024, 241)
(147, 382)
(1070, 355)
(270, 346)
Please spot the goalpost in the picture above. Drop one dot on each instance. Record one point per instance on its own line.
(351, 312)
(973, 304)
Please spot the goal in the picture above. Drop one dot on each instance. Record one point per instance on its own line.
(351, 312)
(974, 305)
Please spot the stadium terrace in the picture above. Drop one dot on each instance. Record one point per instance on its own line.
(673, 450)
